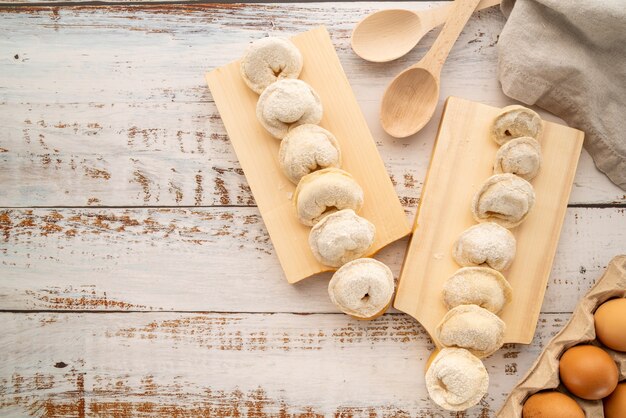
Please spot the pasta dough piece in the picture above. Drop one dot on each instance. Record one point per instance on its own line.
(473, 328)
(505, 199)
(307, 148)
(516, 121)
(362, 288)
(268, 60)
(486, 243)
(519, 156)
(456, 379)
(288, 103)
(480, 286)
(326, 191)
(341, 237)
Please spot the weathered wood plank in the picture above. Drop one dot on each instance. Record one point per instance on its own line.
(255, 365)
(168, 47)
(213, 259)
(84, 123)
(173, 154)
(118, 154)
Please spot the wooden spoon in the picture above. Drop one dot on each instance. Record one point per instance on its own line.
(410, 99)
(386, 35)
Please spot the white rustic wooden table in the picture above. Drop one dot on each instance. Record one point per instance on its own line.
(136, 276)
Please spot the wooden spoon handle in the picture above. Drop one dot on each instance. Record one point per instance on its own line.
(436, 16)
(459, 15)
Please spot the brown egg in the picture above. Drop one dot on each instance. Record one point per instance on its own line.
(551, 405)
(588, 372)
(615, 404)
(610, 321)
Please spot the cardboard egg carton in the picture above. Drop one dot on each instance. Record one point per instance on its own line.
(544, 373)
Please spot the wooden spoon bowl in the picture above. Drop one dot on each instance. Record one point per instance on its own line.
(414, 91)
(410, 99)
(388, 34)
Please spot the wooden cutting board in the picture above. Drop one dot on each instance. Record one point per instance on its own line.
(462, 160)
(258, 154)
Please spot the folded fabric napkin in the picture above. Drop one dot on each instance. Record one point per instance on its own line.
(569, 58)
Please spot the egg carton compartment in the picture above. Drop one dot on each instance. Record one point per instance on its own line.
(544, 373)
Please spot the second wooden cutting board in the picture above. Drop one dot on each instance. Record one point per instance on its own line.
(258, 154)
(462, 160)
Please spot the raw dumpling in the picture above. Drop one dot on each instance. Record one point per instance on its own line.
(268, 60)
(505, 199)
(307, 148)
(288, 103)
(326, 191)
(514, 122)
(456, 379)
(341, 237)
(486, 243)
(480, 286)
(519, 156)
(362, 288)
(473, 328)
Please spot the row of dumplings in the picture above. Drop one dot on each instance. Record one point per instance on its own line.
(326, 198)
(477, 292)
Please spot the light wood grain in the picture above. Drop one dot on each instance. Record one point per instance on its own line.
(462, 161)
(257, 152)
(410, 100)
(149, 120)
(388, 34)
(216, 259)
(272, 365)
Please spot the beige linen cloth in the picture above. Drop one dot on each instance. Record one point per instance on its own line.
(569, 58)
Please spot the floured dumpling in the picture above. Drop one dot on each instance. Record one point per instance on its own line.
(288, 103)
(486, 243)
(480, 286)
(268, 60)
(519, 156)
(362, 288)
(514, 122)
(504, 199)
(307, 148)
(456, 379)
(341, 237)
(326, 191)
(473, 328)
